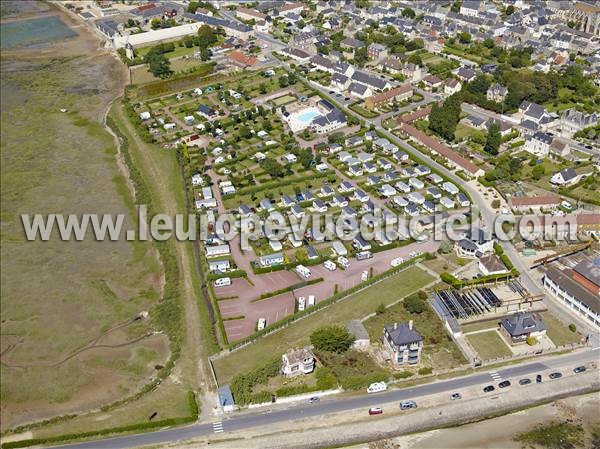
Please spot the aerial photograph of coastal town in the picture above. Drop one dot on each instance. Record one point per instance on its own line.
(307, 224)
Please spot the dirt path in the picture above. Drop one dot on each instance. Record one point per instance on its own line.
(193, 343)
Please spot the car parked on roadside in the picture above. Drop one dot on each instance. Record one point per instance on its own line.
(504, 384)
(375, 411)
(314, 399)
(538, 379)
(405, 405)
(555, 375)
(456, 396)
(488, 389)
(525, 381)
(579, 369)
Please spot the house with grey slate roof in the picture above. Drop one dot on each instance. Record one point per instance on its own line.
(403, 343)
(518, 327)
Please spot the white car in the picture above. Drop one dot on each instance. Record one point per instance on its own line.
(262, 323)
(311, 300)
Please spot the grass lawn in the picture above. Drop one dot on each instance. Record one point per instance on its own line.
(558, 332)
(489, 345)
(297, 334)
(285, 99)
(464, 131)
(472, 327)
(439, 351)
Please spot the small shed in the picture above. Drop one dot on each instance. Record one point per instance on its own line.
(226, 399)
(361, 336)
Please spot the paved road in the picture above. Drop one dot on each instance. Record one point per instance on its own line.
(264, 417)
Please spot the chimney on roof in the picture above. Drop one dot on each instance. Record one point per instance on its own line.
(395, 326)
(410, 324)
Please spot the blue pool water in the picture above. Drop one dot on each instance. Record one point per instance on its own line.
(23, 33)
(307, 116)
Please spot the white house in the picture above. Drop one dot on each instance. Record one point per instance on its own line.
(539, 144)
(297, 361)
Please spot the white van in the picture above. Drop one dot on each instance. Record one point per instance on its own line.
(329, 265)
(364, 276)
(363, 255)
(222, 282)
(377, 387)
(301, 303)
(303, 271)
(311, 300)
(262, 323)
(343, 262)
(397, 261)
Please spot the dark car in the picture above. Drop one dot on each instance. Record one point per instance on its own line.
(314, 399)
(331, 92)
(579, 369)
(525, 381)
(405, 405)
(556, 375)
(456, 396)
(488, 389)
(504, 384)
(538, 379)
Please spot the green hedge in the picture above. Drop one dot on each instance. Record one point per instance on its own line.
(457, 283)
(288, 289)
(242, 385)
(230, 274)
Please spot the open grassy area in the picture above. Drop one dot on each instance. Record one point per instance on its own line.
(297, 334)
(481, 325)
(489, 345)
(283, 100)
(58, 297)
(558, 332)
(439, 350)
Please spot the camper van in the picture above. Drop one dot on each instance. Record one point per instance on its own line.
(303, 271)
(343, 262)
(262, 323)
(301, 303)
(363, 255)
(222, 282)
(329, 265)
(377, 387)
(311, 300)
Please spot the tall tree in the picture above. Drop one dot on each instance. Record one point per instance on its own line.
(493, 140)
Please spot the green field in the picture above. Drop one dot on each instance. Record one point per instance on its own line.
(285, 99)
(297, 334)
(489, 345)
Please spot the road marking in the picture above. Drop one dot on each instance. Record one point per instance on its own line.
(495, 375)
(217, 427)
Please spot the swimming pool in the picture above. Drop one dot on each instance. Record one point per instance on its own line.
(307, 116)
